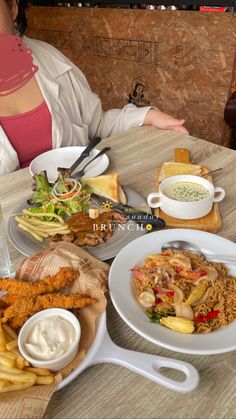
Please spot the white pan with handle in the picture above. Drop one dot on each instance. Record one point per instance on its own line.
(104, 350)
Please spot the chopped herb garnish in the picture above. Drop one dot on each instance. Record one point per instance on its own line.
(155, 316)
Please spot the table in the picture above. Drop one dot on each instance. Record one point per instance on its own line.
(108, 391)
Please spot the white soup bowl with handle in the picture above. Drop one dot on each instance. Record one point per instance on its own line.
(183, 209)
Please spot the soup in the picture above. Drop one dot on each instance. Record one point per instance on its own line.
(187, 191)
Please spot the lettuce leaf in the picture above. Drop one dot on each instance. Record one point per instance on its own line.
(43, 200)
(43, 189)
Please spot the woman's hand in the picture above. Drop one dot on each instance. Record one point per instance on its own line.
(162, 120)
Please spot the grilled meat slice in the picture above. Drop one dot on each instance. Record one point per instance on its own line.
(89, 231)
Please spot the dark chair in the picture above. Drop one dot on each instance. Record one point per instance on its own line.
(230, 117)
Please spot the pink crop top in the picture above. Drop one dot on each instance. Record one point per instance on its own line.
(29, 133)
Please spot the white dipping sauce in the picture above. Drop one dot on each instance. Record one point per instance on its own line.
(50, 338)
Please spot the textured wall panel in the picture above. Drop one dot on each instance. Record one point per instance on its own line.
(181, 62)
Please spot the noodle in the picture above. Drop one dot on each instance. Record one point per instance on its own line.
(215, 309)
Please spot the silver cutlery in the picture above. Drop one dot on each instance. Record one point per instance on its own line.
(184, 245)
(140, 217)
(81, 172)
(85, 153)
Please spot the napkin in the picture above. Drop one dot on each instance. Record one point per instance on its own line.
(32, 402)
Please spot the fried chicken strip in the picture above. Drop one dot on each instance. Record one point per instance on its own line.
(19, 312)
(17, 322)
(47, 285)
(8, 299)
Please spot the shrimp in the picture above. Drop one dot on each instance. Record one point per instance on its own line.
(189, 274)
(154, 260)
(180, 260)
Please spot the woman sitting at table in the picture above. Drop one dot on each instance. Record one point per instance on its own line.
(48, 103)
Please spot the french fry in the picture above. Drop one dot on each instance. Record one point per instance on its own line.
(36, 236)
(45, 380)
(44, 214)
(2, 339)
(7, 338)
(31, 229)
(15, 371)
(9, 331)
(41, 225)
(39, 371)
(12, 344)
(16, 352)
(14, 387)
(40, 229)
(8, 354)
(3, 383)
(45, 223)
(59, 231)
(20, 362)
(22, 377)
(6, 362)
(10, 370)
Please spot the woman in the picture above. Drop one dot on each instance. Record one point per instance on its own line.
(56, 107)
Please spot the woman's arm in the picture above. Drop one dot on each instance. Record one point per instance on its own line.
(162, 120)
(116, 120)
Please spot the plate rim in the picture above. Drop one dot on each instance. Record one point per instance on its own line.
(147, 336)
(96, 150)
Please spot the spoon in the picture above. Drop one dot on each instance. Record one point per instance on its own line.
(212, 171)
(183, 245)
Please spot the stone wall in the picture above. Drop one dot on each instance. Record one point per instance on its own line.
(181, 62)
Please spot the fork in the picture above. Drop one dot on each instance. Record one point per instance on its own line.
(81, 172)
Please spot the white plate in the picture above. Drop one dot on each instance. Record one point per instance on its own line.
(27, 245)
(65, 157)
(219, 341)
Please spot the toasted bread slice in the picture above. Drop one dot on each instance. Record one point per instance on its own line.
(173, 169)
(105, 185)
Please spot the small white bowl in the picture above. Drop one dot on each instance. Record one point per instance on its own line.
(65, 157)
(63, 360)
(185, 210)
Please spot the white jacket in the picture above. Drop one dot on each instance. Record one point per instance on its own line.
(76, 111)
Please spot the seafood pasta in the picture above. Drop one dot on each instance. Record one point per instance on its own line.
(183, 291)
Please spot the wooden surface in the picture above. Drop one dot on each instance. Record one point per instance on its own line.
(109, 391)
(181, 62)
(210, 222)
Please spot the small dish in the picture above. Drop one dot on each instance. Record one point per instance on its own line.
(183, 208)
(58, 362)
(65, 157)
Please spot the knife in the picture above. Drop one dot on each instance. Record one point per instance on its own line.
(138, 216)
(85, 153)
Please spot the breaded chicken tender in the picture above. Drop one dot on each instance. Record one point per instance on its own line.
(47, 285)
(18, 313)
(8, 299)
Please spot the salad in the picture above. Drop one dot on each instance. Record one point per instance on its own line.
(65, 197)
(51, 204)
